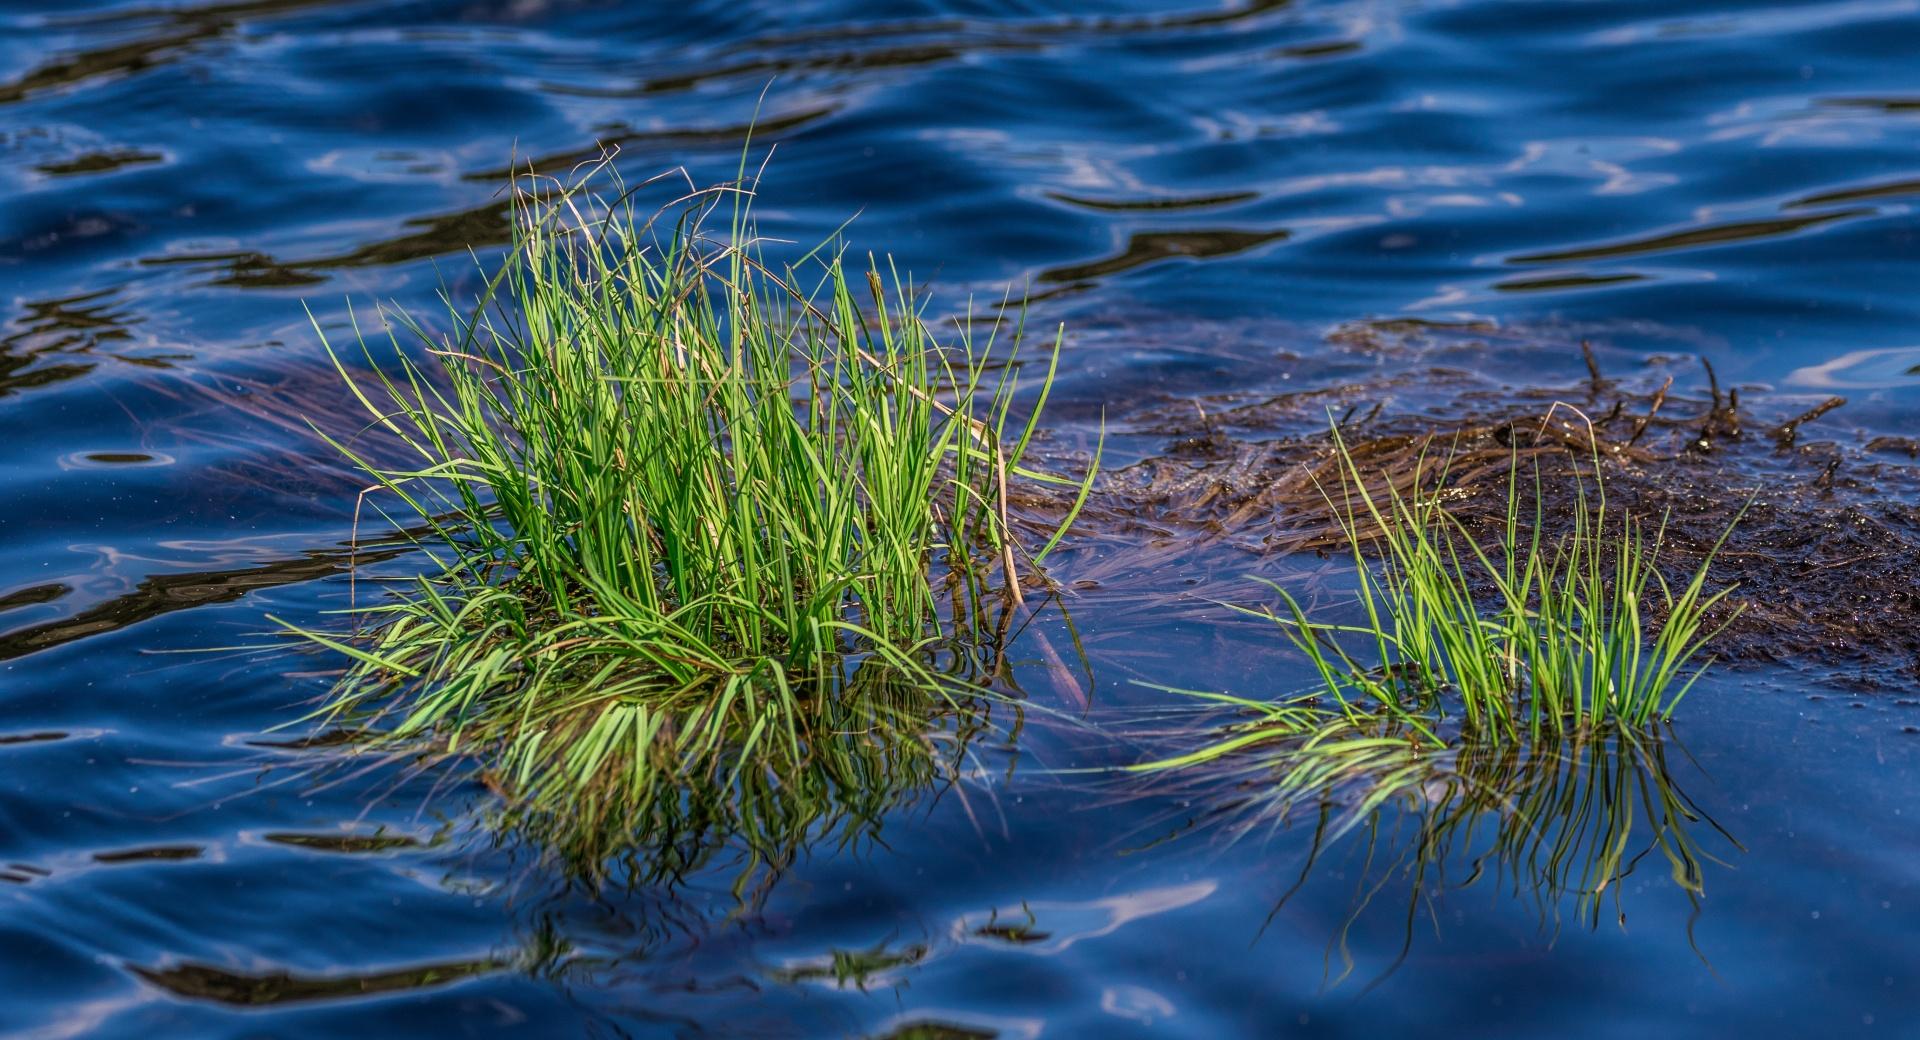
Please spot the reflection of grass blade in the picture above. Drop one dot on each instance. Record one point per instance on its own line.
(1561, 822)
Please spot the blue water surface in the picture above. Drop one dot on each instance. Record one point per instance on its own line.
(1202, 193)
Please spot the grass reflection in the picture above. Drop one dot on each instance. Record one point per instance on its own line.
(1558, 823)
(877, 741)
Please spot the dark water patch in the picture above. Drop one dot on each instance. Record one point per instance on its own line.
(117, 459)
(100, 162)
(478, 228)
(349, 844)
(1692, 238)
(42, 737)
(34, 595)
(1070, 26)
(934, 1029)
(1885, 190)
(23, 873)
(1890, 105)
(121, 59)
(1322, 49)
(241, 270)
(151, 853)
(165, 593)
(170, 32)
(1568, 281)
(1124, 205)
(73, 327)
(239, 989)
(1151, 247)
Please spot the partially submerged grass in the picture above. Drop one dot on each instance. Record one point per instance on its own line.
(1491, 673)
(1493, 637)
(674, 497)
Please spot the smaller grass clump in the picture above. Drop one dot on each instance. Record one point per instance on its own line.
(1502, 689)
(671, 493)
(1514, 634)
(1490, 637)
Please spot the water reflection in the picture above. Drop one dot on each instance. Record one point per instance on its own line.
(175, 32)
(1151, 247)
(1692, 238)
(1048, 928)
(71, 329)
(99, 162)
(880, 743)
(426, 237)
(165, 593)
(857, 969)
(1558, 824)
(243, 989)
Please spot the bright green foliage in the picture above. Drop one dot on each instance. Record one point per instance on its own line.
(1464, 647)
(670, 489)
(1578, 631)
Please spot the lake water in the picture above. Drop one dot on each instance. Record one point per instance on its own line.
(1202, 193)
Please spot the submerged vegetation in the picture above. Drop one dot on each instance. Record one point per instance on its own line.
(701, 525)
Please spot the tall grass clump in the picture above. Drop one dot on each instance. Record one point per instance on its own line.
(670, 490)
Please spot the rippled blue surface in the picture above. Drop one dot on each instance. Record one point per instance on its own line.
(1202, 190)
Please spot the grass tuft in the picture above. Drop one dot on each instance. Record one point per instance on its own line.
(675, 496)
(1499, 637)
(1470, 647)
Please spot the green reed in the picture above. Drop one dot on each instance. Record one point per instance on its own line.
(669, 491)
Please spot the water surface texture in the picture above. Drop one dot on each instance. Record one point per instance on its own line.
(1202, 193)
